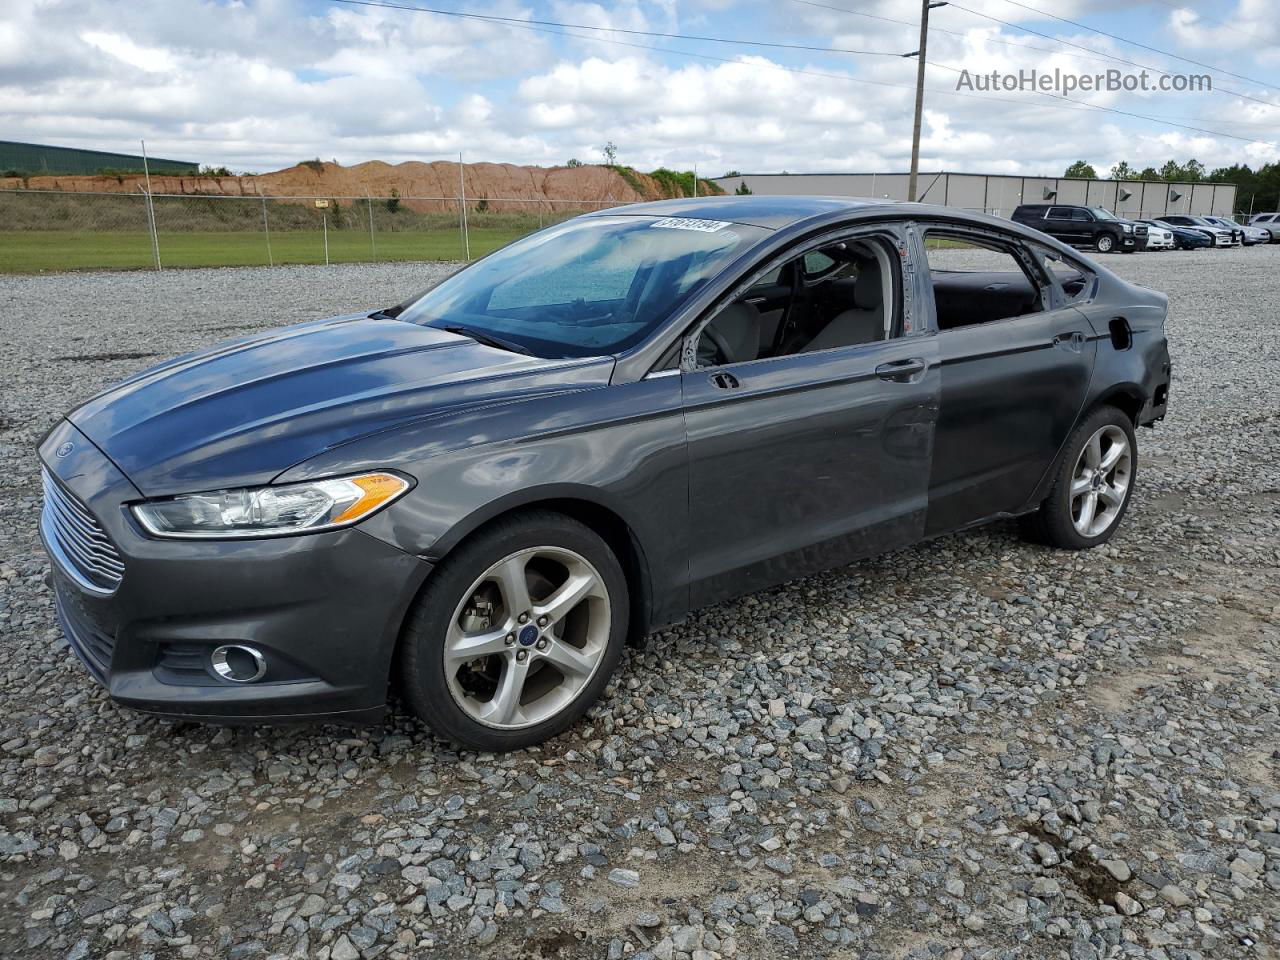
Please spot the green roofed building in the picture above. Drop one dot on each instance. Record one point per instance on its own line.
(38, 159)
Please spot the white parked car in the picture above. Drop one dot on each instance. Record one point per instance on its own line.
(1220, 236)
(1269, 222)
(1159, 239)
(1248, 235)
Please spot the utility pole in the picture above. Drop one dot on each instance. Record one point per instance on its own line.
(462, 208)
(151, 207)
(925, 7)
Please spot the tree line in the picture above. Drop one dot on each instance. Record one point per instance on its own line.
(1257, 190)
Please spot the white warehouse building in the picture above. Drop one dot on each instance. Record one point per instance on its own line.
(999, 194)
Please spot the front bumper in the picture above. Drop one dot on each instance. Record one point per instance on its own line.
(324, 609)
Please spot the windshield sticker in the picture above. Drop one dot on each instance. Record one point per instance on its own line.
(688, 223)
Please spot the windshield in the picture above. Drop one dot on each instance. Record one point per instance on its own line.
(1102, 214)
(588, 287)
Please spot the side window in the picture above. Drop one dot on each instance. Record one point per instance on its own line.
(1081, 215)
(850, 296)
(1058, 213)
(976, 280)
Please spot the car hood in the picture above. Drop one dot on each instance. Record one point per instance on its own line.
(240, 413)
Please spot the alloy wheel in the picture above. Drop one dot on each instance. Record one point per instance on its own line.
(1100, 481)
(527, 637)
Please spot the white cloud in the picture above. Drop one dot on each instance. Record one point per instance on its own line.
(261, 85)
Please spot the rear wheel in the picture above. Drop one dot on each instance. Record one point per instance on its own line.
(1092, 485)
(516, 634)
(1104, 243)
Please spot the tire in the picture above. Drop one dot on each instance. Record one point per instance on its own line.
(1060, 520)
(1104, 243)
(458, 668)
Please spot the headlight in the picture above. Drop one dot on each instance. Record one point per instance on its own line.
(271, 511)
(1127, 227)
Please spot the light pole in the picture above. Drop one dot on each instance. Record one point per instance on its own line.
(925, 7)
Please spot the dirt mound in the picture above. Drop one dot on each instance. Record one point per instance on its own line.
(422, 186)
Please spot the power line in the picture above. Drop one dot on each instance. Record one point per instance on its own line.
(1135, 43)
(1123, 113)
(1108, 56)
(1100, 58)
(640, 33)
(1200, 16)
(542, 27)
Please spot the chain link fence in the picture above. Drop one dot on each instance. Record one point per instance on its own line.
(45, 230)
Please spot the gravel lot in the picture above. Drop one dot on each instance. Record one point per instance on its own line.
(978, 748)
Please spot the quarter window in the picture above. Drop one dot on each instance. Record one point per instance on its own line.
(1074, 277)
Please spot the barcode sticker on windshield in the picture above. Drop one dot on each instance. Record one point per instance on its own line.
(687, 223)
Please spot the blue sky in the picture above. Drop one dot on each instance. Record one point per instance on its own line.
(258, 84)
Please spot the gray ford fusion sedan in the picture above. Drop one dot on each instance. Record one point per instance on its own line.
(480, 496)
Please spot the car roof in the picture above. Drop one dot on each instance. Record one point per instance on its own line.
(772, 212)
(779, 212)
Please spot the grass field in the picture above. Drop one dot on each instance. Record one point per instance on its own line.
(34, 251)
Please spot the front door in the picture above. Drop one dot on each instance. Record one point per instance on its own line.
(812, 457)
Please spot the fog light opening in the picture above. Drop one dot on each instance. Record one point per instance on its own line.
(239, 664)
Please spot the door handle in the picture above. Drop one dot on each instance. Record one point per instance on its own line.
(901, 371)
(725, 381)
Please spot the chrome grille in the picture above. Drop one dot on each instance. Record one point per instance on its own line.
(77, 541)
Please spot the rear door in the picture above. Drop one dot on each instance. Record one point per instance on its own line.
(1012, 385)
(1057, 223)
(1082, 226)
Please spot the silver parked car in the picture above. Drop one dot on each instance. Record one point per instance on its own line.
(1269, 222)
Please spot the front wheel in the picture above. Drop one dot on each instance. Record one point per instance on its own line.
(1104, 243)
(1092, 486)
(516, 634)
